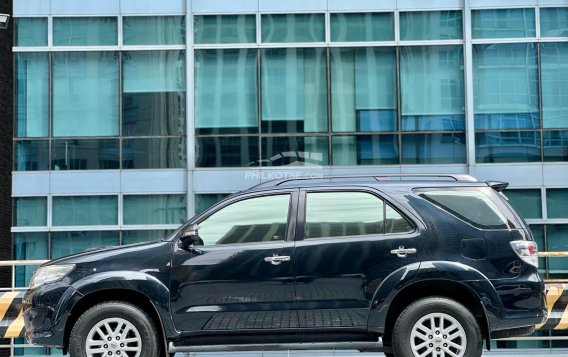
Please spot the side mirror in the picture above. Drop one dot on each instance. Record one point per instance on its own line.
(190, 238)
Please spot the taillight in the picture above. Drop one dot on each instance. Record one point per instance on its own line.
(527, 250)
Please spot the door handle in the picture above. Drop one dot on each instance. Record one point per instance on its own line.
(402, 252)
(277, 259)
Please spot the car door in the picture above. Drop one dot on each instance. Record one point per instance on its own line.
(241, 278)
(348, 241)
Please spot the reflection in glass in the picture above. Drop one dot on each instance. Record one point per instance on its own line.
(31, 94)
(508, 146)
(85, 31)
(557, 241)
(224, 29)
(145, 236)
(154, 153)
(295, 151)
(260, 219)
(432, 89)
(294, 90)
(227, 151)
(503, 23)
(293, 28)
(30, 31)
(440, 148)
(554, 76)
(154, 30)
(206, 200)
(363, 88)
(67, 243)
(154, 209)
(28, 246)
(553, 21)
(85, 93)
(85, 210)
(537, 231)
(376, 26)
(85, 154)
(31, 155)
(226, 91)
(431, 25)
(557, 203)
(153, 93)
(505, 84)
(365, 150)
(555, 145)
(527, 201)
(30, 212)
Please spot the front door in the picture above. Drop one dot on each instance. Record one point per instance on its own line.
(343, 253)
(241, 278)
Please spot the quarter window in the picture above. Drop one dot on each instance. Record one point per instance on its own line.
(261, 219)
(336, 214)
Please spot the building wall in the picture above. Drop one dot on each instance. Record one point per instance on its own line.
(139, 114)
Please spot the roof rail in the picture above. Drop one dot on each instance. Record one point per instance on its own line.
(378, 177)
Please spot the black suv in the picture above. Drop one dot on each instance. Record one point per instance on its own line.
(409, 265)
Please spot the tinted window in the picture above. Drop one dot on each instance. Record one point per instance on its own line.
(260, 219)
(474, 206)
(336, 214)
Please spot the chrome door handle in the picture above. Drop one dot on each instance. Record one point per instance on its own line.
(277, 259)
(402, 252)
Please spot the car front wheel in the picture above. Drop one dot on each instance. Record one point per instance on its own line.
(436, 326)
(114, 329)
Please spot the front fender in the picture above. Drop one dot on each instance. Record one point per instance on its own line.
(151, 287)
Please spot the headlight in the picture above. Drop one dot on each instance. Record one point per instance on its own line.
(49, 274)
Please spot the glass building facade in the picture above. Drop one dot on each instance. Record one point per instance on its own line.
(131, 116)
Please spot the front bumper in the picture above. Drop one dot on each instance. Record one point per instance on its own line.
(46, 310)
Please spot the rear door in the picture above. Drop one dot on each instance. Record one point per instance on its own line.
(349, 241)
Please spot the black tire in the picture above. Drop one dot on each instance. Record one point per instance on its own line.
(413, 313)
(150, 346)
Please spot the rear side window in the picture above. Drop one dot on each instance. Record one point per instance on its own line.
(479, 207)
(336, 214)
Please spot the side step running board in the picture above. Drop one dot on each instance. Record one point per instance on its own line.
(279, 346)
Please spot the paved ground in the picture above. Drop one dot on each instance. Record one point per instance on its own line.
(511, 353)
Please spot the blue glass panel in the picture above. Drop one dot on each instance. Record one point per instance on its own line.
(67, 243)
(293, 28)
(507, 121)
(154, 209)
(28, 246)
(440, 148)
(146, 236)
(557, 202)
(555, 145)
(553, 21)
(85, 210)
(527, 201)
(503, 23)
(225, 29)
(554, 84)
(377, 26)
(31, 155)
(85, 154)
(30, 31)
(31, 94)
(431, 25)
(206, 200)
(365, 150)
(306, 151)
(227, 151)
(154, 153)
(154, 30)
(376, 120)
(433, 122)
(29, 212)
(508, 146)
(85, 31)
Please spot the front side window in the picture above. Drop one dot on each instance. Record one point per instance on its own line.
(337, 214)
(254, 220)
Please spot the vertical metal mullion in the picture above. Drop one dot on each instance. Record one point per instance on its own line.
(329, 114)
(49, 107)
(259, 104)
(540, 113)
(468, 87)
(190, 134)
(120, 105)
(398, 104)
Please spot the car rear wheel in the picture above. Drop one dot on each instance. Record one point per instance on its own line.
(437, 326)
(114, 329)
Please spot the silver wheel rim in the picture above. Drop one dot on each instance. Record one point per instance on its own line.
(438, 335)
(113, 337)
